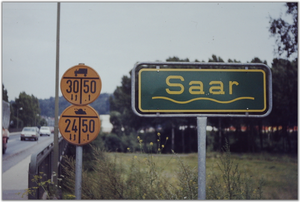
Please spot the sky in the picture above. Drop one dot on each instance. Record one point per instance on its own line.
(111, 37)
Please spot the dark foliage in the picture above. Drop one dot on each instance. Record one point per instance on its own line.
(286, 34)
(101, 105)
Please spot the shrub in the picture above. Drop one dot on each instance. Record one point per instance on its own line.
(113, 143)
(232, 183)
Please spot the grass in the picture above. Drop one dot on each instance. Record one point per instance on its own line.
(174, 176)
(280, 172)
(138, 175)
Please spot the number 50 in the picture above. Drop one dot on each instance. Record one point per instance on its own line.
(88, 88)
(88, 125)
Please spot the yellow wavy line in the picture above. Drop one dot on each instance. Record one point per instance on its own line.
(203, 98)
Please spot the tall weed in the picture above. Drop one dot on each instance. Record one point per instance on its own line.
(230, 182)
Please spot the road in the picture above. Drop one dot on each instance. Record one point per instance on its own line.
(15, 164)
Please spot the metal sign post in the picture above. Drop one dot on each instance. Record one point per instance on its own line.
(55, 141)
(78, 172)
(187, 89)
(201, 134)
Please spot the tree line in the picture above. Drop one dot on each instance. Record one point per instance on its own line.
(24, 110)
(101, 105)
(27, 110)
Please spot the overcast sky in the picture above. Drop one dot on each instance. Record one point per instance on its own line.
(112, 37)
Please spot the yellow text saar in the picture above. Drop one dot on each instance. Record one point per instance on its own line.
(196, 87)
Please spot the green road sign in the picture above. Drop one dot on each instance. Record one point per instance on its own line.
(209, 91)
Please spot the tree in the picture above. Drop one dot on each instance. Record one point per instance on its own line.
(286, 34)
(121, 115)
(285, 92)
(285, 98)
(30, 113)
(4, 94)
(257, 60)
(215, 59)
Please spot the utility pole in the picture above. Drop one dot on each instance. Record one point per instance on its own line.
(55, 149)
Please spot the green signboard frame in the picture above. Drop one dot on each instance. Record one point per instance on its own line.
(201, 89)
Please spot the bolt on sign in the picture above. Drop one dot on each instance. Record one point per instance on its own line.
(201, 89)
(79, 125)
(80, 85)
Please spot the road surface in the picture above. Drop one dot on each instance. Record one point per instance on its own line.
(15, 164)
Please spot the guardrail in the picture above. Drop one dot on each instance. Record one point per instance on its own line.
(41, 169)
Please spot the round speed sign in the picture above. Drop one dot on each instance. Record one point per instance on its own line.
(80, 85)
(79, 125)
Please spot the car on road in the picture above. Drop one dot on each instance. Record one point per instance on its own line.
(45, 131)
(30, 132)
